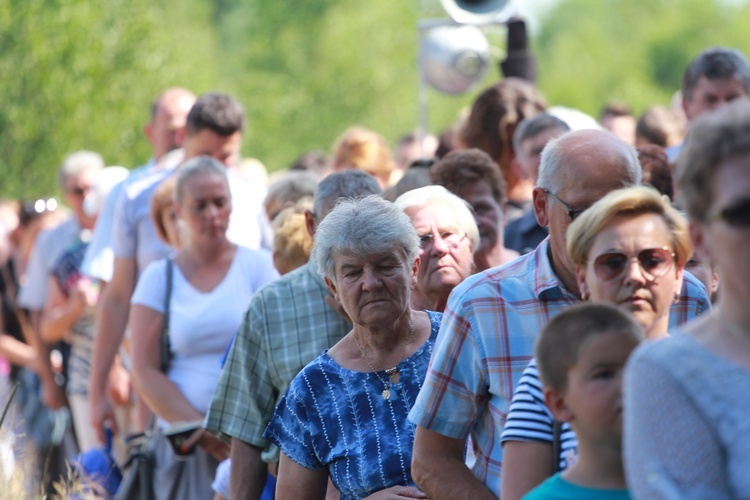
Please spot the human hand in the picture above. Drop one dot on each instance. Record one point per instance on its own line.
(53, 395)
(119, 388)
(396, 492)
(209, 443)
(102, 416)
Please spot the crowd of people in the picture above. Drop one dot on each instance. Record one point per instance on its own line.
(529, 306)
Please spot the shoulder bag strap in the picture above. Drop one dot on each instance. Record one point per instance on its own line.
(166, 352)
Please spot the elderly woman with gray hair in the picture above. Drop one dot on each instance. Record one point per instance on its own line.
(448, 238)
(345, 414)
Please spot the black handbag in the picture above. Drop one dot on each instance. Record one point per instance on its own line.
(138, 480)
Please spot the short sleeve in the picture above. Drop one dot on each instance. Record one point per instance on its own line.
(150, 291)
(98, 263)
(124, 231)
(453, 393)
(34, 292)
(289, 429)
(529, 419)
(245, 395)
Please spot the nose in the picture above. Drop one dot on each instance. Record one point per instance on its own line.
(634, 272)
(439, 246)
(370, 279)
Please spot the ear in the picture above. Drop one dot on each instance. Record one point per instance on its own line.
(541, 206)
(686, 107)
(414, 272)
(148, 131)
(176, 209)
(714, 282)
(332, 288)
(555, 401)
(698, 237)
(179, 135)
(583, 287)
(310, 223)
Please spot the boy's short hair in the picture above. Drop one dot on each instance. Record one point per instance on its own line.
(559, 343)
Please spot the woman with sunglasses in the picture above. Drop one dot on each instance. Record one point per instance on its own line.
(630, 249)
(687, 398)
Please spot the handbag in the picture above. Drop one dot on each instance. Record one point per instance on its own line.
(138, 481)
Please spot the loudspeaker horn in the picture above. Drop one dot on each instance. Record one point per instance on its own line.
(477, 11)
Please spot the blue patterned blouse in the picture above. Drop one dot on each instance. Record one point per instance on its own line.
(337, 418)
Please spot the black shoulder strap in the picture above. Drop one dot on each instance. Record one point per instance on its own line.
(556, 445)
(166, 351)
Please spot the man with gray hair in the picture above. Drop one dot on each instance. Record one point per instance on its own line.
(76, 176)
(715, 77)
(288, 323)
(492, 320)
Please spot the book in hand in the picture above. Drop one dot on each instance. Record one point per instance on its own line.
(179, 432)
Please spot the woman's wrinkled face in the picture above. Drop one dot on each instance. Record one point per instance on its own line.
(649, 279)
(205, 207)
(374, 290)
(446, 257)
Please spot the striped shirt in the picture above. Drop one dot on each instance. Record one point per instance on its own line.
(487, 339)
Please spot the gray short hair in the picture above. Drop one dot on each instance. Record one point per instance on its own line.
(716, 63)
(365, 226)
(343, 184)
(76, 163)
(434, 195)
(554, 156)
(198, 166)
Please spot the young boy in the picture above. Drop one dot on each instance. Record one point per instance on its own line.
(581, 356)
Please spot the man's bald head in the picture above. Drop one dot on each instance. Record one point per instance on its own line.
(578, 169)
(168, 114)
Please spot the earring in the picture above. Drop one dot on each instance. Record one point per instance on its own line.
(585, 297)
(676, 298)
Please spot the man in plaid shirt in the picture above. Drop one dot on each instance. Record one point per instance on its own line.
(492, 320)
(287, 324)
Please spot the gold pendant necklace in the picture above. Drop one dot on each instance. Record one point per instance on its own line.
(390, 371)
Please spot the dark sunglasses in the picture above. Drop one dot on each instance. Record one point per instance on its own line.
(573, 214)
(654, 262)
(737, 215)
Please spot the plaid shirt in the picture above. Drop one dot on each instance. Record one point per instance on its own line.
(487, 339)
(287, 325)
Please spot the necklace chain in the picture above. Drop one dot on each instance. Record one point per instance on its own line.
(390, 371)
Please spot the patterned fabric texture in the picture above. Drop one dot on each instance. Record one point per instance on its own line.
(287, 325)
(336, 418)
(487, 339)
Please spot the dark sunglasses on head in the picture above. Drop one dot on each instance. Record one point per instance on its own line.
(737, 215)
(654, 262)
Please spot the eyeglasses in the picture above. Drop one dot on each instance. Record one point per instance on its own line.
(737, 215)
(654, 262)
(78, 191)
(449, 239)
(573, 214)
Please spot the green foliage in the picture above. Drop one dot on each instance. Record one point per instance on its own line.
(594, 51)
(80, 75)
